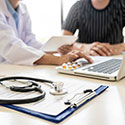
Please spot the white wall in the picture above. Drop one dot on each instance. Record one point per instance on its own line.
(45, 15)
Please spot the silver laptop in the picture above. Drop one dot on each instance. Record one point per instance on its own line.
(111, 69)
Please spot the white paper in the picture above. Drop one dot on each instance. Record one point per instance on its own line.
(54, 105)
(51, 104)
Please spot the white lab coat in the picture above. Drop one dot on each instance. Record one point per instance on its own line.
(17, 46)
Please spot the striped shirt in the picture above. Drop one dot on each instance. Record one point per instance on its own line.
(105, 25)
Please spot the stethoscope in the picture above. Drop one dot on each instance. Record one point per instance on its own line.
(56, 89)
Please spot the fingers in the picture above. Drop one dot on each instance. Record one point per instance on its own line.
(79, 54)
(101, 50)
(106, 50)
(62, 51)
(65, 49)
(73, 55)
(93, 53)
(70, 57)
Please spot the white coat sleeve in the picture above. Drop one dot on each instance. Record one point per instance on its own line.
(13, 49)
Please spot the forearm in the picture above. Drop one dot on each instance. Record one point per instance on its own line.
(119, 47)
(123, 46)
(66, 32)
(48, 59)
(116, 49)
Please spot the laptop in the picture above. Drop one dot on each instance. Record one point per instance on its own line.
(111, 69)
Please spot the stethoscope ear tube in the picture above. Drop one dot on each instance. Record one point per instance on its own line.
(25, 78)
(32, 87)
(23, 101)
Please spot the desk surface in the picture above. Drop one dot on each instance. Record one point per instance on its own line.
(107, 109)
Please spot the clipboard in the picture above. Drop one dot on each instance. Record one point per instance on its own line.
(61, 116)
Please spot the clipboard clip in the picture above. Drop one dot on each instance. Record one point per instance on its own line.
(80, 98)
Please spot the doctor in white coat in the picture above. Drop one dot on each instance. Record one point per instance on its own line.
(18, 44)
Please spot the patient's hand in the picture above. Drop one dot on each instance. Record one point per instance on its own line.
(99, 49)
(105, 49)
(94, 49)
(65, 49)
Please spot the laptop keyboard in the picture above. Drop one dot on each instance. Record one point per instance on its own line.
(107, 67)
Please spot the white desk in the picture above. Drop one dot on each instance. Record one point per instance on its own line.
(106, 109)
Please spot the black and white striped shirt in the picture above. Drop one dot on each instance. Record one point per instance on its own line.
(104, 25)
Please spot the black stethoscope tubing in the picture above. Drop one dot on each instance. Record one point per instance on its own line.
(23, 101)
(24, 78)
(25, 89)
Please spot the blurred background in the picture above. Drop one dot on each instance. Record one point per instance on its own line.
(47, 16)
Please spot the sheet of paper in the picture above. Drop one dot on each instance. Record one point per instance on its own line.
(54, 105)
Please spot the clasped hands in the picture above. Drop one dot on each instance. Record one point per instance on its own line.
(73, 52)
(94, 49)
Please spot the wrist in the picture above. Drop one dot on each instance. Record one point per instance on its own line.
(48, 59)
(123, 46)
(54, 60)
(58, 60)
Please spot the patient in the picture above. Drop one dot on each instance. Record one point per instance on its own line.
(100, 24)
(18, 45)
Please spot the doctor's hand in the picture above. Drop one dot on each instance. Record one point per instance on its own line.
(72, 56)
(64, 49)
(49, 59)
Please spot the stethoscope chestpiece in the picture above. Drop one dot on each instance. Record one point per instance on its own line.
(58, 89)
